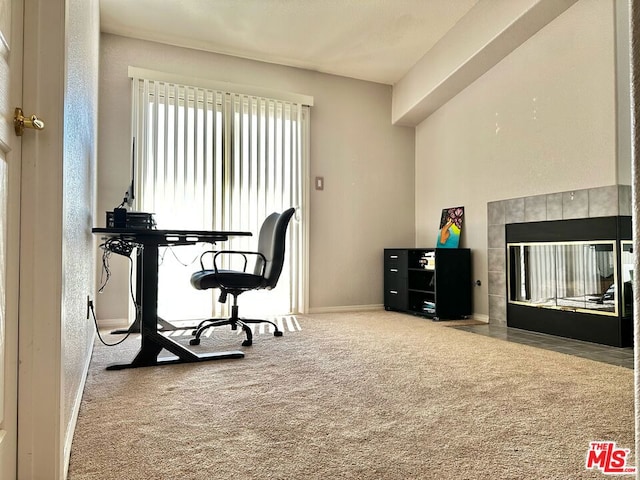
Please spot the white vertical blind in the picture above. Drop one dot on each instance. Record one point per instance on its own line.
(215, 160)
(559, 272)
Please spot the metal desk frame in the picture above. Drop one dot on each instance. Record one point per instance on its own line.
(152, 341)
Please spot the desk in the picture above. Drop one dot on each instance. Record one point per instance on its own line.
(152, 341)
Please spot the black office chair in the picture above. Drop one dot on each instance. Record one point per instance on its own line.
(269, 260)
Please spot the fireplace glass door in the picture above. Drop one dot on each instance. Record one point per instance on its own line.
(574, 276)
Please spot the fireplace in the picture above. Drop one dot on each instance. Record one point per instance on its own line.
(572, 278)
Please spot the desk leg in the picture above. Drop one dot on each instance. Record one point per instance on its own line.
(135, 326)
(148, 356)
(152, 342)
(164, 326)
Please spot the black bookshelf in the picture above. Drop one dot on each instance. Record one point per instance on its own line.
(431, 282)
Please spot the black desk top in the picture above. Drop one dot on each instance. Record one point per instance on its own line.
(170, 236)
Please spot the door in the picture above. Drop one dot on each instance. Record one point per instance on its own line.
(11, 12)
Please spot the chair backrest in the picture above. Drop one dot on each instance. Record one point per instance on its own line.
(271, 244)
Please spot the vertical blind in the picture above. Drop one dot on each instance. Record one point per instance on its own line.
(216, 160)
(566, 271)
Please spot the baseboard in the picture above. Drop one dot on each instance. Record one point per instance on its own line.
(112, 323)
(366, 308)
(346, 308)
(71, 428)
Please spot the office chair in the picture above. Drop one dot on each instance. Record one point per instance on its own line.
(269, 259)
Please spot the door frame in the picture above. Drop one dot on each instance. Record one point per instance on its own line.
(40, 385)
(14, 160)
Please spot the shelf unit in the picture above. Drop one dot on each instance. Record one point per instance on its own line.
(432, 282)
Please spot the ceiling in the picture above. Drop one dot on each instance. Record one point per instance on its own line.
(374, 40)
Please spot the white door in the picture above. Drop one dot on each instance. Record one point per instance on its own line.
(11, 12)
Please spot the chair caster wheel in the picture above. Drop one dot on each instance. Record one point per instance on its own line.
(247, 343)
(277, 333)
(194, 341)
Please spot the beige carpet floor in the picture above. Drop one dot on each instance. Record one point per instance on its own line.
(371, 395)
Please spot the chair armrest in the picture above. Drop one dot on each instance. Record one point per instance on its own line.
(203, 254)
(242, 253)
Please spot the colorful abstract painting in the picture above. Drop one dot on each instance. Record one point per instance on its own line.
(450, 227)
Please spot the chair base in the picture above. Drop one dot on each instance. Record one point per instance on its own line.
(234, 321)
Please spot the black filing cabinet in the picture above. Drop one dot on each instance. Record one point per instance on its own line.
(395, 279)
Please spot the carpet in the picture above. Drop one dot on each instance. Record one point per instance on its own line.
(368, 395)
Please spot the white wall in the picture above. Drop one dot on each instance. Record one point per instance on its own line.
(78, 202)
(368, 165)
(543, 120)
(489, 32)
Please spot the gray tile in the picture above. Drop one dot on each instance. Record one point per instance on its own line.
(602, 357)
(554, 206)
(497, 283)
(497, 310)
(496, 261)
(603, 201)
(535, 208)
(514, 210)
(590, 347)
(624, 199)
(496, 236)
(495, 213)
(617, 354)
(622, 357)
(575, 204)
(560, 349)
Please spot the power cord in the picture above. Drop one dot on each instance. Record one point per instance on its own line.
(121, 247)
(95, 322)
(169, 248)
(118, 246)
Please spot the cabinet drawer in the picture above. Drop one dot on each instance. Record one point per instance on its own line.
(395, 298)
(393, 277)
(395, 259)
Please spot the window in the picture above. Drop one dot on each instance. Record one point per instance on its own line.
(216, 160)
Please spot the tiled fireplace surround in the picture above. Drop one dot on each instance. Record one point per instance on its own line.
(588, 203)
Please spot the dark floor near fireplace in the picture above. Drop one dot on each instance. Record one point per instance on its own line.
(602, 353)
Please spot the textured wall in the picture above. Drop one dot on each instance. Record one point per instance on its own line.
(78, 202)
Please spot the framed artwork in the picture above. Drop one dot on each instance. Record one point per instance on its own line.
(450, 227)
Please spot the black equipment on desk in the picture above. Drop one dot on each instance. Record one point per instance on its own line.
(121, 218)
